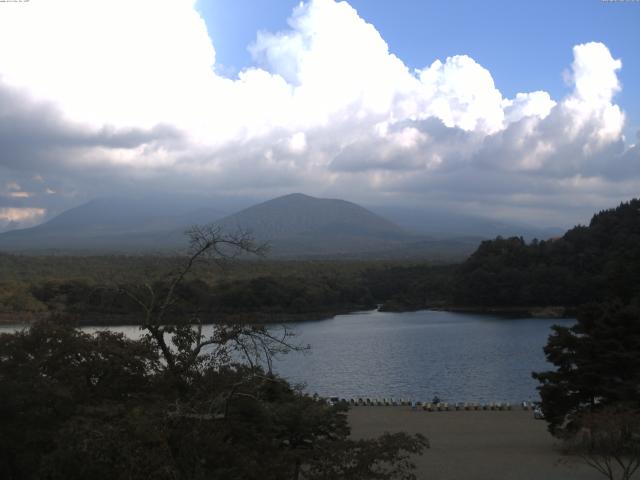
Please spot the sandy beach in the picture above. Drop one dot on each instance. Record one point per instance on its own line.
(476, 445)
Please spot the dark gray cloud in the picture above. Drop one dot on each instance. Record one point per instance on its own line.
(354, 124)
(59, 163)
(35, 136)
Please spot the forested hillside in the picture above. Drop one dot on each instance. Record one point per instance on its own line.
(591, 263)
(93, 288)
(588, 263)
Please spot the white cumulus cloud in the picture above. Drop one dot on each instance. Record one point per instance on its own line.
(123, 89)
(20, 217)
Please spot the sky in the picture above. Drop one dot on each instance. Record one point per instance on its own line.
(526, 111)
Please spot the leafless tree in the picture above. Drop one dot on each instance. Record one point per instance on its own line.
(609, 441)
(181, 340)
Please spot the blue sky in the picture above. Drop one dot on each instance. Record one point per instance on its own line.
(526, 45)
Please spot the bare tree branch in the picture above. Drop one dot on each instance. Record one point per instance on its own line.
(256, 343)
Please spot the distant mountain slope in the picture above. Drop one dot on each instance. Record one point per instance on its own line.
(298, 213)
(113, 224)
(440, 224)
(298, 224)
(295, 225)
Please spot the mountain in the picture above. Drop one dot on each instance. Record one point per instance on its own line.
(298, 224)
(113, 224)
(441, 224)
(295, 225)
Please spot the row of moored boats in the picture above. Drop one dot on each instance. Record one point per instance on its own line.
(432, 406)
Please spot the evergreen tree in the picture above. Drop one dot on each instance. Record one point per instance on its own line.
(597, 364)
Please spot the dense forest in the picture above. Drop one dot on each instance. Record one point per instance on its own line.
(93, 288)
(107, 407)
(591, 263)
(174, 404)
(587, 264)
(593, 384)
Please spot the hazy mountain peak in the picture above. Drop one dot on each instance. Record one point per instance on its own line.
(296, 224)
(298, 214)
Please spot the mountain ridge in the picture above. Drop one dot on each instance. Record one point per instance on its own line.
(296, 225)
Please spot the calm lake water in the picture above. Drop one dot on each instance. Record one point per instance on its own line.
(414, 355)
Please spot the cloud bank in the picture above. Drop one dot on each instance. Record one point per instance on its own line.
(98, 98)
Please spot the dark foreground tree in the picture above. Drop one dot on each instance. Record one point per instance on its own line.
(592, 399)
(597, 364)
(175, 404)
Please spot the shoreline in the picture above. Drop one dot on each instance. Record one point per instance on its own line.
(121, 320)
(549, 311)
(115, 320)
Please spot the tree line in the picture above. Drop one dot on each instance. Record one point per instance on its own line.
(597, 262)
(175, 404)
(250, 289)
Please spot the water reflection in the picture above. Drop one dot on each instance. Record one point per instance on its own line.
(462, 357)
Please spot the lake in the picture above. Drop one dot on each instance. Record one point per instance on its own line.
(415, 355)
